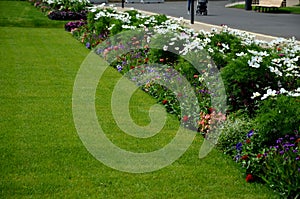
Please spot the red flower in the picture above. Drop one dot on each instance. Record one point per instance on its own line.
(248, 141)
(185, 118)
(244, 157)
(211, 110)
(249, 178)
(165, 101)
(132, 67)
(259, 155)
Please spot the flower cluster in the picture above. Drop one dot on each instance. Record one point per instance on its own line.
(274, 164)
(67, 15)
(208, 121)
(73, 25)
(68, 5)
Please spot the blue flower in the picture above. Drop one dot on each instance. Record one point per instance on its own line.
(250, 134)
(239, 146)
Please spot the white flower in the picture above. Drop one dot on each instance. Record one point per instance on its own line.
(270, 92)
(240, 54)
(210, 50)
(275, 70)
(256, 94)
(225, 46)
(254, 62)
(111, 27)
(253, 52)
(282, 91)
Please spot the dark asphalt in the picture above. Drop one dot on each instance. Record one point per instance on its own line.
(274, 24)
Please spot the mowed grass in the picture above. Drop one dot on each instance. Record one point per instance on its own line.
(23, 14)
(41, 153)
(291, 10)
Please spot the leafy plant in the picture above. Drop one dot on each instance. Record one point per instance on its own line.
(276, 118)
(281, 169)
(234, 130)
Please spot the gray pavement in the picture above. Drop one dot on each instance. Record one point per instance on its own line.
(274, 24)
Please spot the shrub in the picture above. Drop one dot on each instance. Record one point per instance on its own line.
(276, 118)
(241, 81)
(233, 132)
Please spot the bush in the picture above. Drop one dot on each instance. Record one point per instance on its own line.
(234, 131)
(276, 118)
(241, 81)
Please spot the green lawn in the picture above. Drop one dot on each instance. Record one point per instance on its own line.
(41, 153)
(293, 10)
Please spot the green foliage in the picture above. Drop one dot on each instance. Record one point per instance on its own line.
(281, 169)
(222, 58)
(241, 81)
(277, 117)
(234, 130)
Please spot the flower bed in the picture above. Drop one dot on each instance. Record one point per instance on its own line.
(261, 80)
(255, 74)
(63, 9)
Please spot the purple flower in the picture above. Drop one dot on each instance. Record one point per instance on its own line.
(281, 152)
(88, 45)
(298, 158)
(295, 151)
(279, 140)
(99, 51)
(250, 134)
(119, 68)
(239, 146)
(292, 138)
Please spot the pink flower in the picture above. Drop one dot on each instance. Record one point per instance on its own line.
(185, 118)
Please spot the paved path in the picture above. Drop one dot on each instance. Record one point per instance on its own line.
(275, 24)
